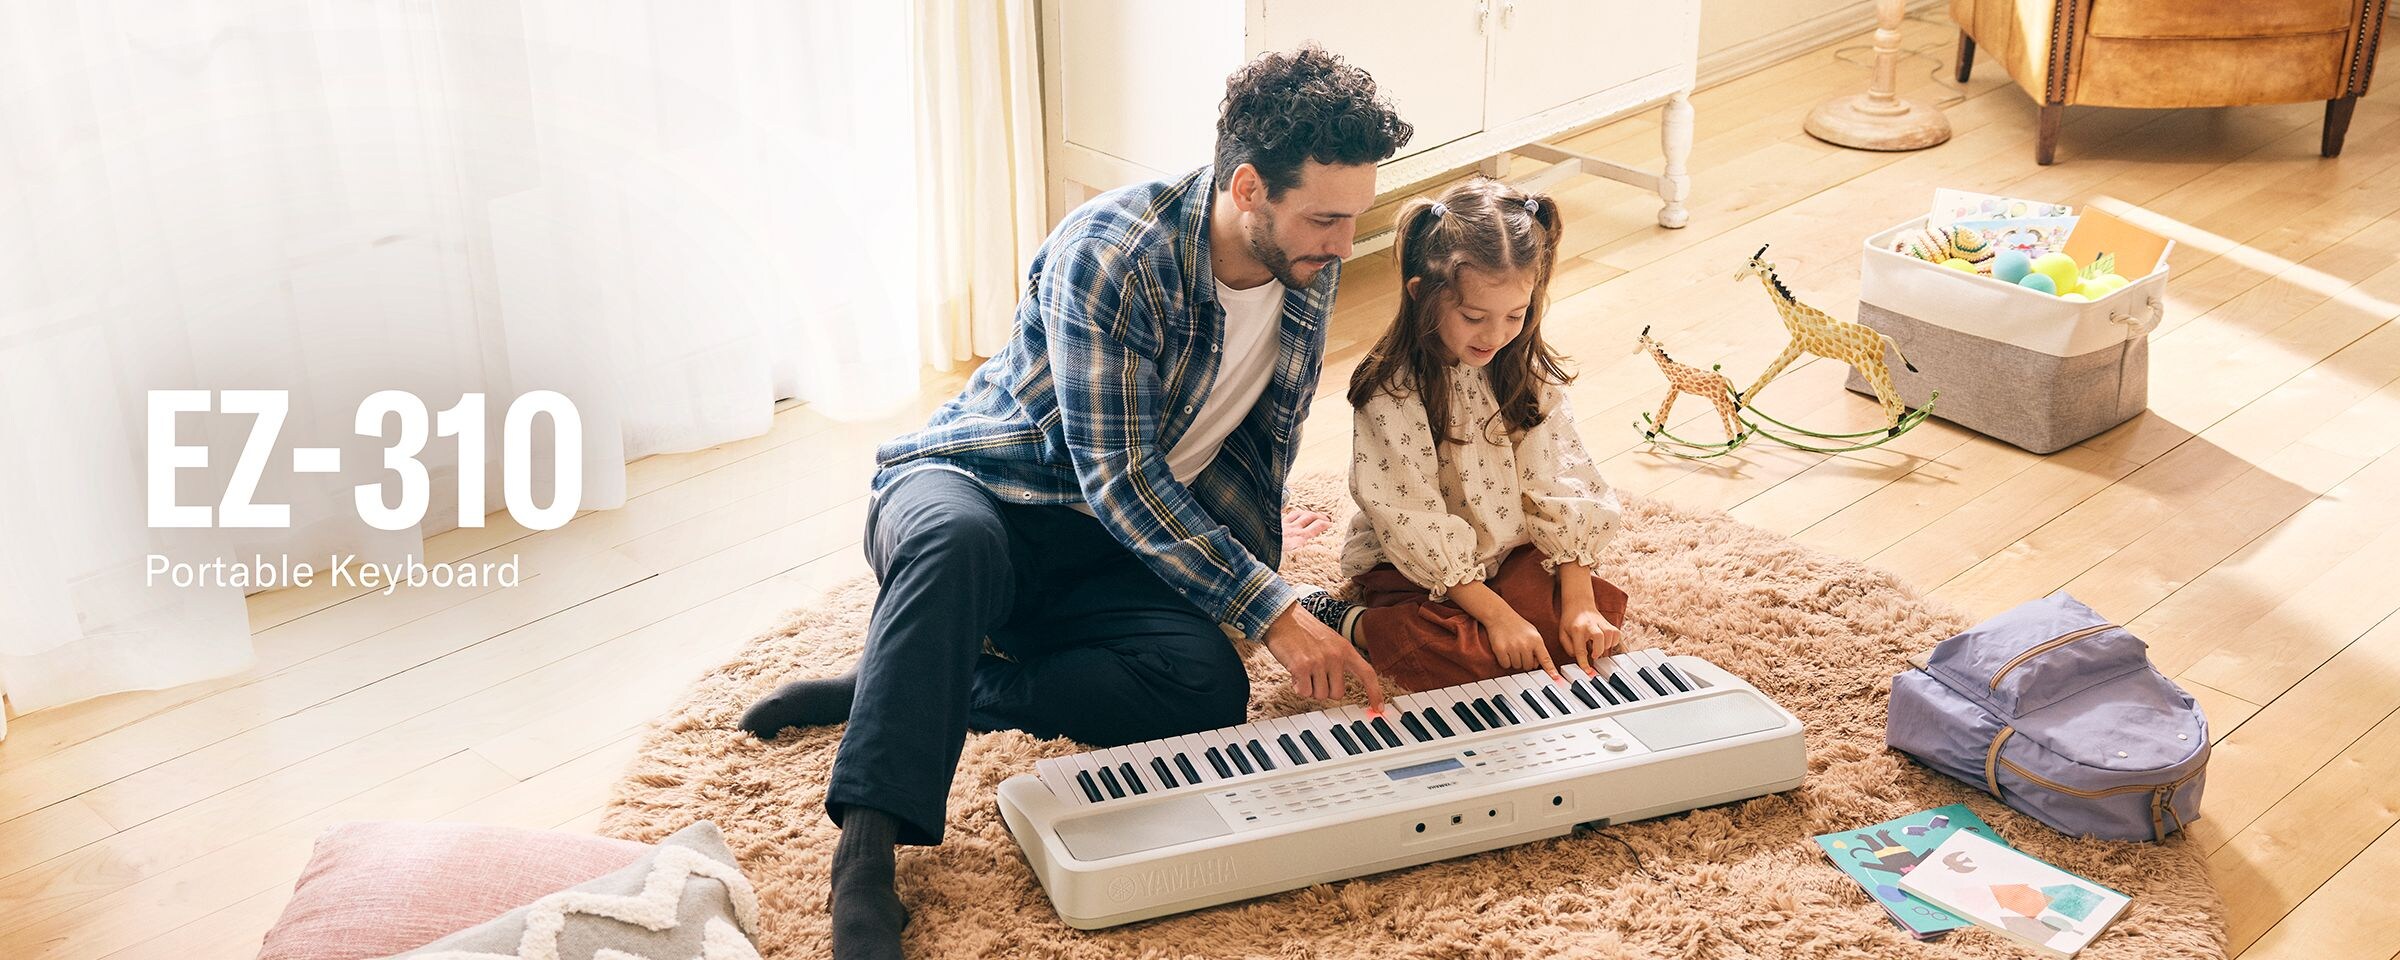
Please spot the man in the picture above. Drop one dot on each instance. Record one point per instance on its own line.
(1101, 501)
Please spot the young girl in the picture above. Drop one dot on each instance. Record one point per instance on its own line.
(1479, 512)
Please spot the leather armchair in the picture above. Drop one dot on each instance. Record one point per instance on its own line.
(2177, 53)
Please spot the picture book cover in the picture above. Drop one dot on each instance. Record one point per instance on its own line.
(1877, 856)
(2015, 895)
(1951, 206)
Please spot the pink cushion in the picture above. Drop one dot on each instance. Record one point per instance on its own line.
(379, 888)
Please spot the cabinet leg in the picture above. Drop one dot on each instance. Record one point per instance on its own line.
(2337, 123)
(2045, 149)
(1966, 55)
(1675, 183)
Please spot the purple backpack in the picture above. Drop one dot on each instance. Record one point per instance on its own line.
(2058, 713)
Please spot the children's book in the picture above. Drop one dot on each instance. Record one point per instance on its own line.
(1878, 856)
(1951, 206)
(2014, 895)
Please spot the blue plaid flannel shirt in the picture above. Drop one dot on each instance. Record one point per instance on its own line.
(1116, 347)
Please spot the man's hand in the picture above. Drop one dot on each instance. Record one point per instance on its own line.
(1300, 526)
(1319, 659)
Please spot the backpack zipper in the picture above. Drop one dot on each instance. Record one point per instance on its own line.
(2045, 647)
(2161, 794)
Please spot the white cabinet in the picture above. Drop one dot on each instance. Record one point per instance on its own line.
(1131, 87)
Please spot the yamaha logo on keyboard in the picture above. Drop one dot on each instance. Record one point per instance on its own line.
(1172, 879)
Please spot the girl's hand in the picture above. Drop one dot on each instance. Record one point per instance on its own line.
(1588, 635)
(1518, 646)
(1300, 526)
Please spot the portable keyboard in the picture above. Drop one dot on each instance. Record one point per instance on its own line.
(1140, 831)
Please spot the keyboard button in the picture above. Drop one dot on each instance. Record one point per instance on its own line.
(1550, 693)
(1191, 774)
(1535, 702)
(1341, 735)
(1132, 779)
(1467, 716)
(1391, 738)
(1617, 682)
(1434, 717)
(1577, 688)
(1501, 704)
(1083, 778)
(1166, 777)
(1415, 728)
(1674, 678)
(1108, 778)
(1644, 673)
(1259, 754)
(1291, 749)
(1366, 737)
(1233, 752)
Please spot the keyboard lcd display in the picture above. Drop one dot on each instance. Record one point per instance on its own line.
(1422, 769)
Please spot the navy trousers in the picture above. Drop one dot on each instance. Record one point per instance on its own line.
(1098, 648)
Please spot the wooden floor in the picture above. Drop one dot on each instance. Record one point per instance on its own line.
(2246, 526)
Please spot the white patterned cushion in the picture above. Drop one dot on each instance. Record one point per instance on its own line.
(685, 900)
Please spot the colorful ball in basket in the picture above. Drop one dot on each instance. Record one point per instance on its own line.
(2010, 266)
(2103, 285)
(2061, 269)
(1970, 245)
(1959, 265)
(1923, 244)
(2040, 282)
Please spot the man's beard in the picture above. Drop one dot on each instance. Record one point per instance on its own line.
(1261, 237)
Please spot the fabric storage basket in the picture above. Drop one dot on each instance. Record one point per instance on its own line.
(2013, 363)
(2059, 713)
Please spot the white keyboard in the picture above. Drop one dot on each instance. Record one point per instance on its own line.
(1140, 831)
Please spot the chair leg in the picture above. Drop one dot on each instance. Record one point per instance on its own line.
(2045, 149)
(1966, 55)
(2337, 123)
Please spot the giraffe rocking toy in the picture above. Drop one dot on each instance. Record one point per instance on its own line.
(1708, 385)
(1814, 331)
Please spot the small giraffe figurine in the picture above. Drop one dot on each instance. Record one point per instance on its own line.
(1814, 331)
(1684, 378)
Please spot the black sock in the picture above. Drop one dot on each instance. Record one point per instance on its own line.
(801, 703)
(1340, 615)
(867, 914)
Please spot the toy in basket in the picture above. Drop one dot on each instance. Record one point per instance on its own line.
(1813, 331)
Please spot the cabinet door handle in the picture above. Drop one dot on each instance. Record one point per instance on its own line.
(1483, 16)
(1508, 11)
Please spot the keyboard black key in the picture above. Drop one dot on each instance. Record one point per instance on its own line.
(1501, 704)
(1191, 774)
(1216, 758)
(1133, 778)
(1538, 712)
(1315, 746)
(1491, 718)
(1415, 728)
(1240, 762)
(1166, 777)
(1441, 726)
(1674, 678)
(1108, 778)
(1584, 695)
(1618, 681)
(1468, 716)
(1366, 737)
(1083, 778)
(1552, 693)
(1290, 749)
(1390, 738)
(1652, 680)
(1341, 736)
(1259, 754)
(1600, 688)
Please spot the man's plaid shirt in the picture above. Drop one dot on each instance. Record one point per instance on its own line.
(1116, 347)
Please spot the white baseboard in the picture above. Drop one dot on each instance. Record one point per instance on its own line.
(1750, 56)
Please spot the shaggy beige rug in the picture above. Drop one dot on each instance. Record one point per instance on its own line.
(1819, 634)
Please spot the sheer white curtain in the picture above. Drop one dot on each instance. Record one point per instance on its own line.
(979, 160)
(673, 213)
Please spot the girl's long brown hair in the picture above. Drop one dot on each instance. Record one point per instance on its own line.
(1491, 226)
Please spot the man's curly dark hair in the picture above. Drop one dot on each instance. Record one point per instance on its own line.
(1284, 109)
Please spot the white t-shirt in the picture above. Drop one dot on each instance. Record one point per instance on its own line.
(1253, 319)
